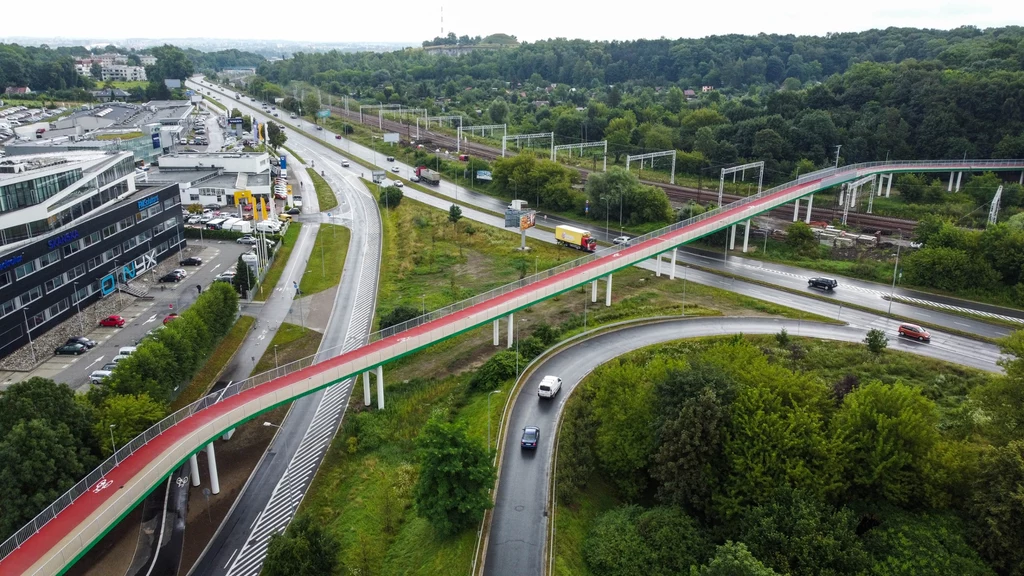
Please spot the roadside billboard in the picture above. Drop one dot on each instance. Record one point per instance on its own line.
(391, 137)
(527, 220)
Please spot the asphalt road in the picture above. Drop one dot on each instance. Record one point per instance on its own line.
(517, 541)
(275, 489)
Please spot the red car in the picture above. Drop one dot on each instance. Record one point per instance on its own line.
(114, 321)
(170, 317)
(337, 136)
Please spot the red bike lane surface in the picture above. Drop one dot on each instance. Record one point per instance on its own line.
(101, 494)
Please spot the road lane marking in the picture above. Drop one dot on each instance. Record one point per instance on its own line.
(151, 319)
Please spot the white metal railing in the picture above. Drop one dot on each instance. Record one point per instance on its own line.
(828, 177)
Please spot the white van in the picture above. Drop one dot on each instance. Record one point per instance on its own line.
(549, 386)
(126, 350)
(268, 226)
(242, 226)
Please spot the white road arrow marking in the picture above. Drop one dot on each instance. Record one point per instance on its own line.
(100, 359)
(151, 319)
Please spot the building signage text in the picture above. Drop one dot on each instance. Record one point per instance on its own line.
(147, 202)
(62, 239)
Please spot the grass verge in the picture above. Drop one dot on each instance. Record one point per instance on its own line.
(324, 194)
(326, 261)
(293, 343)
(215, 103)
(280, 261)
(294, 154)
(207, 375)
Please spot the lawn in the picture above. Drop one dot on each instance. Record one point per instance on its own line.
(292, 343)
(125, 136)
(215, 103)
(280, 260)
(327, 260)
(324, 193)
(207, 375)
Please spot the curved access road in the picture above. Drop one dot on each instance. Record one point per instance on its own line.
(517, 541)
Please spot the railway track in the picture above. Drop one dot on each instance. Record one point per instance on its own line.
(676, 193)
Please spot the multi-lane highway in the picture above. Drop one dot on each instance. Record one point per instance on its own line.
(275, 489)
(518, 539)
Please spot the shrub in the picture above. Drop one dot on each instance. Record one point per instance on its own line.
(498, 369)
(398, 315)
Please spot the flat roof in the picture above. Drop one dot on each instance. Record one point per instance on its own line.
(65, 160)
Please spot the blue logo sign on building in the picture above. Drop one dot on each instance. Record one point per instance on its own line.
(62, 239)
(13, 261)
(156, 140)
(147, 202)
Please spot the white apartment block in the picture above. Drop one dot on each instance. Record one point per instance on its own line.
(121, 72)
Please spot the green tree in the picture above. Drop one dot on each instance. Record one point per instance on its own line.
(390, 197)
(576, 459)
(43, 399)
(310, 105)
(876, 341)
(96, 70)
(996, 506)
(130, 416)
(454, 215)
(888, 435)
(307, 548)
(801, 238)
(632, 541)
(243, 280)
(498, 111)
(455, 477)
(733, 559)
(948, 269)
(497, 369)
(41, 460)
(398, 315)
(798, 534)
(922, 543)
(276, 136)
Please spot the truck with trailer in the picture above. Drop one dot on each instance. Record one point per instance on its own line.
(427, 175)
(575, 238)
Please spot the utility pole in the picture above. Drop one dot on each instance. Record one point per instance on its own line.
(838, 146)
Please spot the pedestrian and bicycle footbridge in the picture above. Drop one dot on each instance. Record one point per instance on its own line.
(66, 530)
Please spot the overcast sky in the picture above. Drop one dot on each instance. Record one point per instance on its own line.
(416, 20)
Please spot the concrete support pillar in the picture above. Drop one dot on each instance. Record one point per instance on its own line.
(959, 175)
(888, 186)
(746, 235)
(211, 460)
(810, 203)
(366, 389)
(511, 321)
(950, 187)
(657, 266)
(796, 210)
(380, 387)
(193, 469)
(497, 333)
(672, 270)
(1021, 179)
(608, 292)
(227, 435)
(732, 237)
(593, 291)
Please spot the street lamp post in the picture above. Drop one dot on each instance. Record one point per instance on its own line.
(489, 417)
(113, 446)
(606, 234)
(892, 291)
(78, 306)
(275, 357)
(423, 302)
(28, 330)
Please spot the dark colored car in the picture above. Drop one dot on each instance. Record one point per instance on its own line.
(914, 331)
(531, 436)
(191, 261)
(170, 277)
(337, 136)
(114, 321)
(81, 340)
(75, 349)
(294, 211)
(822, 283)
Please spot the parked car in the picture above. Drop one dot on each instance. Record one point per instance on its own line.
(621, 240)
(98, 376)
(914, 331)
(114, 321)
(294, 211)
(549, 386)
(191, 261)
(81, 340)
(170, 318)
(109, 366)
(531, 437)
(822, 283)
(246, 240)
(285, 217)
(75, 349)
(170, 277)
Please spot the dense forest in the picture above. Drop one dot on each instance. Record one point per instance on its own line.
(901, 93)
(778, 456)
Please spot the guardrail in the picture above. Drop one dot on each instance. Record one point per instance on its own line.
(825, 178)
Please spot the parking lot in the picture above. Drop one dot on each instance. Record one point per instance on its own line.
(141, 315)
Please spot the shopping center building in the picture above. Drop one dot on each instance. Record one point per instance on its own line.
(74, 228)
